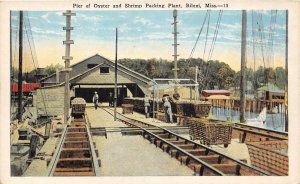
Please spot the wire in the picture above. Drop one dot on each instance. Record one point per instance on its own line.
(206, 34)
(199, 34)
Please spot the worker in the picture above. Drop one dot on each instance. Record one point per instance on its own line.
(147, 106)
(95, 99)
(168, 109)
(110, 99)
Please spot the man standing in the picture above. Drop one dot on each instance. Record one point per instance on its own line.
(168, 109)
(110, 99)
(95, 99)
(147, 106)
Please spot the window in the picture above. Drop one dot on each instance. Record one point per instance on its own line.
(104, 70)
(91, 65)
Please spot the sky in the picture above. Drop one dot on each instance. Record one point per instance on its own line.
(148, 34)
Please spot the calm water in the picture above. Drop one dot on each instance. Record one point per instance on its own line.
(273, 121)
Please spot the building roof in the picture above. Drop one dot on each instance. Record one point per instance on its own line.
(216, 91)
(26, 88)
(96, 59)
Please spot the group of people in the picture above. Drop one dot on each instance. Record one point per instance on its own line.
(96, 100)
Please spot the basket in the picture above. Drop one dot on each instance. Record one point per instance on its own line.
(270, 156)
(201, 109)
(193, 108)
(127, 108)
(78, 106)
(210, 133)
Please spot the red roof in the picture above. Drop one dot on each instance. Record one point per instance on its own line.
(26, 88)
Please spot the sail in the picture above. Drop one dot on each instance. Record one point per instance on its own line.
(261, 118)
(263, 115)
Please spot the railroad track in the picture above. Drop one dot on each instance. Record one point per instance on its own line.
(203, 160)
(247, 133)
(75, 154)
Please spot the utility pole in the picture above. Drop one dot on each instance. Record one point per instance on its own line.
(286, 71)
(20, 67)
(116, 78)
(175, 69)
(243, 66)
(67, 59)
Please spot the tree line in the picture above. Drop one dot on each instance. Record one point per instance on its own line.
(212, 74)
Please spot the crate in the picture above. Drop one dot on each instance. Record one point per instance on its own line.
(210, 133)
(127, 108)
(78, 106)
(270, 156)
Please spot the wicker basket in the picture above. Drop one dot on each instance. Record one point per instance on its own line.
(270, 156)
(193, 108)
(201, 109)
(78, 106)
(210, 133)
(127, 108)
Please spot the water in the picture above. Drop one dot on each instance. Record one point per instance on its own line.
(273, 121)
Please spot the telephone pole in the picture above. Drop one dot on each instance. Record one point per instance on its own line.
(243, 66)
(175, 69)
(67, 59)
(20, 91)
(116, 78)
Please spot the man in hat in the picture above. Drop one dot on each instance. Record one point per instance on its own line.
(95, 99)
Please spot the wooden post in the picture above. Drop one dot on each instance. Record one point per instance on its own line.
(116, 77)
(33, 145)
(243, 66)
(20, 67)
(67, 59)
(286, 72)
(175, 49)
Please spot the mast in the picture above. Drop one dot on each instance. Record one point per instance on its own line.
(243, 66)
(286, 71)
(67, 59)
(20, 67)
(116, 78)
(175, 69)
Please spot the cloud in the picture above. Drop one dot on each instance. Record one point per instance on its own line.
(46, 17)
(46, 32)
(235, 26)
(142, 20)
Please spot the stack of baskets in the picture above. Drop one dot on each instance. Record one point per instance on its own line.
(78, 106)
(127, 108)
(210, 133)
(270, 156)
(193, 108)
